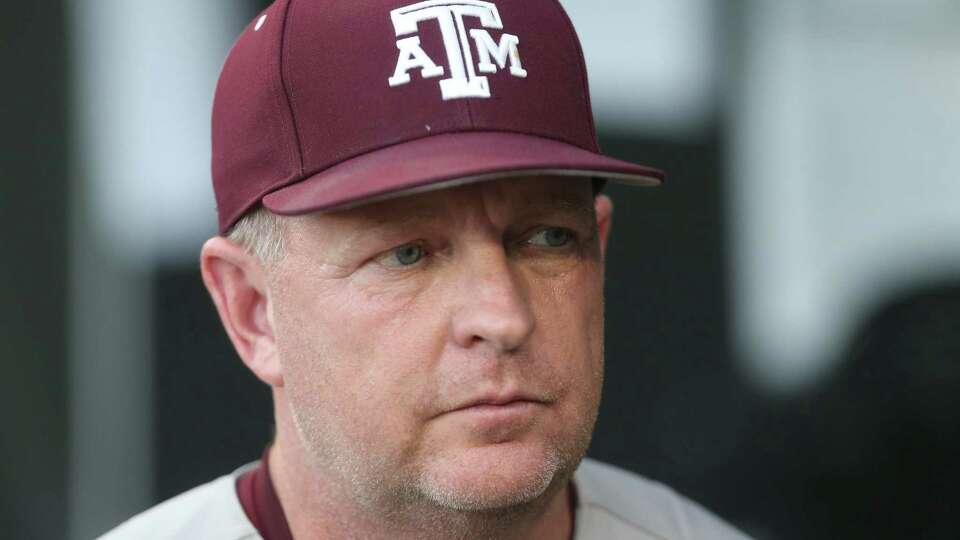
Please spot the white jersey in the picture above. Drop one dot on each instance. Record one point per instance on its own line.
(612, 504)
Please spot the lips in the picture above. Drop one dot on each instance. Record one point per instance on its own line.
(501, 401)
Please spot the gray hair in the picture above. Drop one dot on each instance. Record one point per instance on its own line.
(260, 232)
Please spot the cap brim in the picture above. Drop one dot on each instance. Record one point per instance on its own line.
(447, 160)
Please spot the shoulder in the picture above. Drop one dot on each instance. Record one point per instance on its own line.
(210, 511)
(614, 503)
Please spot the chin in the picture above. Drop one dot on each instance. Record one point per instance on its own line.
(496, 477)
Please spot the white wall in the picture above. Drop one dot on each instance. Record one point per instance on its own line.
(651, 63)
(846, 172)
(143, 78)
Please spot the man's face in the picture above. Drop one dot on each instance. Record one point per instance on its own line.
(447, 346)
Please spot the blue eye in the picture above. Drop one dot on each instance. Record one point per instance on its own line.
(408, 255)
(552, 237)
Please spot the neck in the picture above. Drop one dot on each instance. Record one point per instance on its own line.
(317, 505)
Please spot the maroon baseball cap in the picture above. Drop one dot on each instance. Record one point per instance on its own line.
(327, 104)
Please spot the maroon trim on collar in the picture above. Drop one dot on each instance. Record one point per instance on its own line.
(260, 502)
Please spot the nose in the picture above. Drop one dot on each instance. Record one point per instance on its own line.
(494, 310)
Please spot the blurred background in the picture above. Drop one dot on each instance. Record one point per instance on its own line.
(783, 315)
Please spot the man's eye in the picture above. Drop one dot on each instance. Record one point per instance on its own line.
(552, 237)
(406, 255)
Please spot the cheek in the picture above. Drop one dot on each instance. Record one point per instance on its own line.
(404, 342)
(570, 326)
(355, 359)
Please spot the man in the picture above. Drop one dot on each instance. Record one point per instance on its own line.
(412, 259)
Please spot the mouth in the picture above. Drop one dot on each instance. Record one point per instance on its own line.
(494, 418)
(501, 404)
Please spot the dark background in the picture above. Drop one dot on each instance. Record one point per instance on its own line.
(866, 453)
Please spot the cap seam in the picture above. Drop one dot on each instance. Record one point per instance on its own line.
(469, 114)
(291, 108)
(466, 103)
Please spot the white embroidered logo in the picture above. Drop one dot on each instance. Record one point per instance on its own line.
(463, 81)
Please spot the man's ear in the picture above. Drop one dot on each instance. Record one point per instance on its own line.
(237, 282)
(603, 207)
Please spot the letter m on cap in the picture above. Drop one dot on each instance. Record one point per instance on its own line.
(463, 80)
